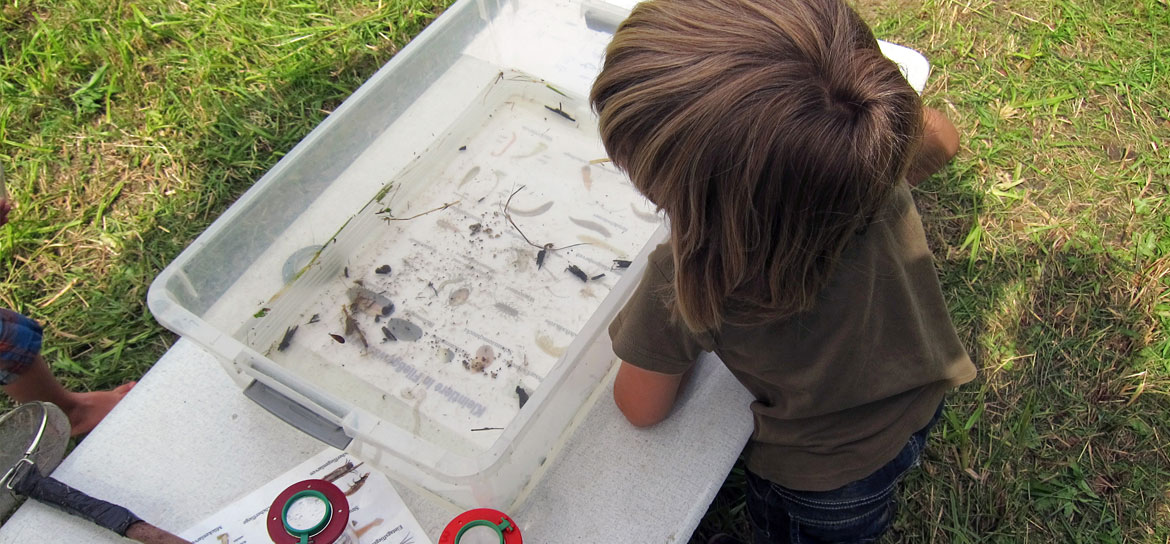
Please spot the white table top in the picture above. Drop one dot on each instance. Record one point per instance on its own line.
(186, 442)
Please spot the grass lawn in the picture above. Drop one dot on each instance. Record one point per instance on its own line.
(127, 127)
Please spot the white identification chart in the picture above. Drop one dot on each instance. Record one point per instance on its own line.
(377, 513)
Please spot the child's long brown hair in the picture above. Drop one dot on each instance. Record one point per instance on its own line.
(769, 131)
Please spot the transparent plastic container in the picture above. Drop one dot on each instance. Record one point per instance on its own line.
(380, 287)
(426, 279)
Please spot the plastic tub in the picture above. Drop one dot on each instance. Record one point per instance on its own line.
(401, 285)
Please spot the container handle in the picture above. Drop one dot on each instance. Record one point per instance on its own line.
(293, 413)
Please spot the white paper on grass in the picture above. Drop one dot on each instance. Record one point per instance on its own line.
(376, 509)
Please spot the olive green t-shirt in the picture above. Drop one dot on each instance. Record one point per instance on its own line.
(840, 388)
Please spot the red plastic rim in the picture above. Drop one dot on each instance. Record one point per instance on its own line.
(511, 534)
(332, 531)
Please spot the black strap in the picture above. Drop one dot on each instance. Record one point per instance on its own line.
(31, 483)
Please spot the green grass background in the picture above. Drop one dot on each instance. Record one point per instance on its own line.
(127, 127)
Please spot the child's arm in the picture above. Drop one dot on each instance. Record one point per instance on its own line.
(940, 142)
(645, 397)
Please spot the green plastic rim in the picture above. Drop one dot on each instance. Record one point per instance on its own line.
(499, 529)
(304, 534)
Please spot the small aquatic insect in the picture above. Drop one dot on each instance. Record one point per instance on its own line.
(459, 296)
(357, 484)
(546, 345)
(597, 277)
(647, 217)
(591, 226)
(314, 319)
(389, 335)
(522, 395)
(351, 327)
(469, 175)
(534, 211)
(540, 255)
(263, 312)
(540, 148)
(462, 148)
(384, 269)
(557, 110)
(287, 339)
(484, 356)
(574, 270)
(337, 338)
(621, 264)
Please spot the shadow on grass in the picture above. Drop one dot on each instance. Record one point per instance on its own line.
(1054, 441)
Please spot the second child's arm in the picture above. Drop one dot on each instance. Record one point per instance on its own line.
(645, 397)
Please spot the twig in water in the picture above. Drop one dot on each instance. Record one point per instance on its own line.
(417, 215)
(559, 111)
(546, 247)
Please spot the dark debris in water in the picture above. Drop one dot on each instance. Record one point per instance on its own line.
(286, 340)
(559, 111)
(522, 395)
(574, 270)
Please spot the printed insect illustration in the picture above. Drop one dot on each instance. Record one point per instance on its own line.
(359, 531)
(357, 484)
(341, 471)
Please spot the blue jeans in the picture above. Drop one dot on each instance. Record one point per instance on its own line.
(860, 511)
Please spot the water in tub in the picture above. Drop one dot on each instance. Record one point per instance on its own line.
(444, 303)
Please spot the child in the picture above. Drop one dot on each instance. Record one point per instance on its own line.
(25, 376)
(779, 141)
